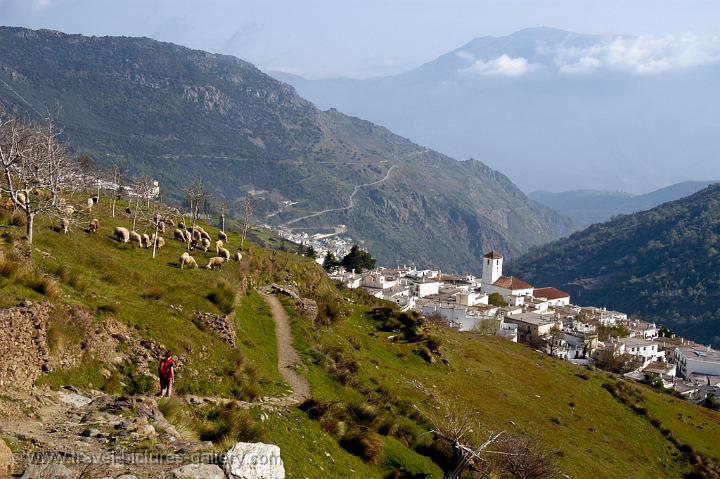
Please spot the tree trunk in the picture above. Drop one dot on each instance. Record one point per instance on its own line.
(30, 218)
(113, 204)
(222, 219)
(458, 465)
(157, 226)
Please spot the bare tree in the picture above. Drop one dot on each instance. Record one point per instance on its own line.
(142, 187)
(39, 171)
(116, 174)
(246, 207)
(457, 424)
(196, 195)
(522, 458)
(16, 142)
(222, 208)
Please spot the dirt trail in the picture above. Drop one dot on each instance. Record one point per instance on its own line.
(287, 356)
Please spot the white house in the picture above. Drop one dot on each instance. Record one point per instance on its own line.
(697, 360)
(647, 350)
(493, 280)
(425, 287)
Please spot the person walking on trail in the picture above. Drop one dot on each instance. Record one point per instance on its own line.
(166, 371)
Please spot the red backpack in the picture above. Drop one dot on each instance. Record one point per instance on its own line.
(165, 367)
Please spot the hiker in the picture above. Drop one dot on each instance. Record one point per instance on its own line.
(166, 371)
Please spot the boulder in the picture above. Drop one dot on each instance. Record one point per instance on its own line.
(6, 459)
(46, 471)
(199, 471)
(254, 461)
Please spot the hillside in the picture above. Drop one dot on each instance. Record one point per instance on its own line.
(552, 109)
(105, 310)
(586, 207)
(662, 264)
(179, 114)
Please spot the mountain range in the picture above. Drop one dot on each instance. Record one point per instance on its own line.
(662, 264)
(180, 114)
(554, 110)
(586, 207)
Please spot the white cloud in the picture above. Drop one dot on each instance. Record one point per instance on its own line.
(504, 65)
(641, 55)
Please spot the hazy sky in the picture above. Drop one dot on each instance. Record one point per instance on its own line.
(357, 38)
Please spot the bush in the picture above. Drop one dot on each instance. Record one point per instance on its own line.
(109, 308)
(8, 269)
(18, 219)
(363, 443)
(154, 292)
(223, 297)
(230, 424)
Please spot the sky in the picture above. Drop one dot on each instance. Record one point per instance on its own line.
(353, 38)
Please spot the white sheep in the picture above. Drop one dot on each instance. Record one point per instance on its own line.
(170, 221)
(122, 234)
(160, 241)
(64, 225)
(219, 245)
(206, 244)
(179, 234)
(135, 236)
(215, 261)
(186, 259)
(90, 203)
(222, 236)
(204, 235)
(223, 253)
(21, 198)
(238, 256)
(145, 240)
(161, 226)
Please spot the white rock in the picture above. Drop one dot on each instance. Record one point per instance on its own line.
(199, 471)
(74, 399)
(46, 471)
(254, 461)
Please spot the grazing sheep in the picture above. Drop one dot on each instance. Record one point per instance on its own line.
(161, 227)
(122, 234)
(145, 240)
(238, 256)
(160, 241)
(90, 203)
(193, 244)
(170, 221)
(206, 244)
(64, 225)
(222, 236)
(196, 234)
(215, 261)
(134, 236)
(186, 259)
(219, 245)
(223, 253)
(94, 225)
(181, 225)
(179, 234)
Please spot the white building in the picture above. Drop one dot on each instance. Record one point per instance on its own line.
(647, 350)
(492, 267)
(697, 360)
(553, 296)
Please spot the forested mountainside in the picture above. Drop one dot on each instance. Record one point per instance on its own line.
(663, 264)
(180, 114)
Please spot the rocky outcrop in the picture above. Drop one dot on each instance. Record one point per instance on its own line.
(6, 459)
(254, 461)
(23, 343)
(46, 471)
(222, 325)
(199, 471)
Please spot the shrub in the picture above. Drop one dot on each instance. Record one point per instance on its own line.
(230, 424)
(109, 308)
(18, 219)
(223, 297)
(425, 353)
(364, 444)
(154, 292)
(8, 269)
(41, 284)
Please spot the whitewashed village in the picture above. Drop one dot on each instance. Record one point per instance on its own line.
(542, 317)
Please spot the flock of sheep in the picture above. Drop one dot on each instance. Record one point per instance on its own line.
(196, 236)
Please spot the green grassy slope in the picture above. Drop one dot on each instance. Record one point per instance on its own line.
(367, 382)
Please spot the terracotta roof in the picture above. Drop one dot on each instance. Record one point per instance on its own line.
(511, 282)
(493, 255)
(550, 293)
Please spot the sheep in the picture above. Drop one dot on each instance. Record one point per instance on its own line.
(161, 227)
(186, 259)
(69, 210)
(223, 253)
(179, 234)
(94, 225)
(196, 234)
(90, 203)
(64, 225)
(222, 236)
(128, 211)
(238, 256)
(134, 236)
(160, 241)
(122, 234)
(21, 198)
(219, 245)
(215, 261)
(181, 225)
(145, 240)
(206, 244)
(170, 221)
(204, 235)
